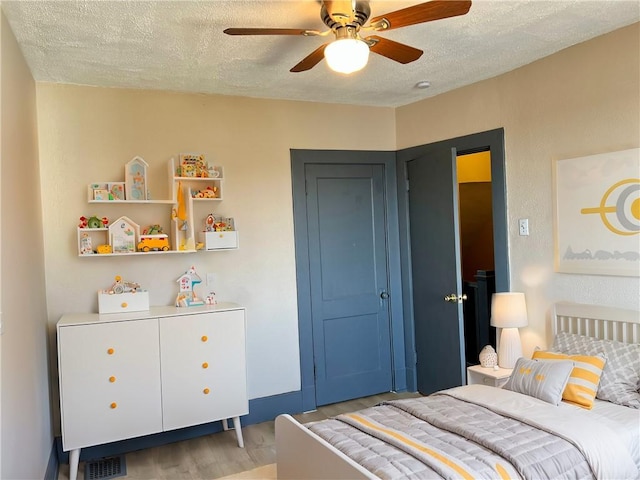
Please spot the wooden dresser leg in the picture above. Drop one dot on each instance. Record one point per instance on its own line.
(74, 459)
(238, 428)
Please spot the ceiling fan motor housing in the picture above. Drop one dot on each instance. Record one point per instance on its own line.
(336, 16)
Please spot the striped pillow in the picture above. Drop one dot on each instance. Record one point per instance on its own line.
(583, 382)
(620, 382)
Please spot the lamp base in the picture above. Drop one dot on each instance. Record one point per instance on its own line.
(510, 348)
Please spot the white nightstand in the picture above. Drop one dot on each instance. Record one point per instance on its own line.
(478, 375)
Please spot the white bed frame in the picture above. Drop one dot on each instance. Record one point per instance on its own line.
(596, 321)
(301, 454)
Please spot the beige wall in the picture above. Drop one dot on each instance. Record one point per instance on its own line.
(580, 101)
(25, 402)
(88, 134)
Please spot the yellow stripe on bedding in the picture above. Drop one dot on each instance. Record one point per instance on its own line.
(504, 475)
(406, 440)
(583, 383)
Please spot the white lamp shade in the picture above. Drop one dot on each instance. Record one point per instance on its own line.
(347, 55)
(508, 310)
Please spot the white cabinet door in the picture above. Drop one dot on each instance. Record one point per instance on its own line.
(109, 382)
(203, 368)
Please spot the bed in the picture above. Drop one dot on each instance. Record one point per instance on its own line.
(476, 431)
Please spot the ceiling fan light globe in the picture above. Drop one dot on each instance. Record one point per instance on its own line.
(347, 55)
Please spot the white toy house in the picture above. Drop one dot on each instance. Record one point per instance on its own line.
(135, 176)
(123, 235)
(187, 296)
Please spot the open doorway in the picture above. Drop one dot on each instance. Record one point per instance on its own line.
(477, 252)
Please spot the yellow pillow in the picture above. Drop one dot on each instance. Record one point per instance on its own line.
(583, 382)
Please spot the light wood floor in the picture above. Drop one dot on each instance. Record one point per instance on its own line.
(218, 455)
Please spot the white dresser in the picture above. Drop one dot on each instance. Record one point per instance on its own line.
(133, 374)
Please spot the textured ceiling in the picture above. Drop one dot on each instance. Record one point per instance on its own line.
(179, 45)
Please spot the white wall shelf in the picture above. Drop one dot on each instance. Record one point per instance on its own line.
(123, 202)
(183, 235)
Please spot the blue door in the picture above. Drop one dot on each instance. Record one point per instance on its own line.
(436, 271)
(348, 278)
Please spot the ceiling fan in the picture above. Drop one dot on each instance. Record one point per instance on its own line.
(347, 19)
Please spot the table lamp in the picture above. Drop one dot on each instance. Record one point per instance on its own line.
(509, 312)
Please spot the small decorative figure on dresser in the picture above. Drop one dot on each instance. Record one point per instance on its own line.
(210, 299)
(488, 357)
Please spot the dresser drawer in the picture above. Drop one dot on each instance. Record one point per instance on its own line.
(109, 382)
(203, 368)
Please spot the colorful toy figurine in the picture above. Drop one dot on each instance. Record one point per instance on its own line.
(209, 192)
(152, 230)
(210, 299)
(209, 222)
(93, 222)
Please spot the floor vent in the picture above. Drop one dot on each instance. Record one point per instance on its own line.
(105, 468)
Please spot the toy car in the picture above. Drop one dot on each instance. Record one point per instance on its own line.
(158, 241)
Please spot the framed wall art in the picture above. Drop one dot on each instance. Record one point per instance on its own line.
(597, 214)
(116, 190)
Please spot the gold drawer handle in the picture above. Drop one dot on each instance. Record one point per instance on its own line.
(205, 365)
(110, 351)
(112, 379)
(114, 405)
(204, 338)
(206, 391)
(124, 305)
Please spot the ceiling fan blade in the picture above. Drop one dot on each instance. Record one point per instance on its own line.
(399, 52)
(270, 31)
(424, 12)
(310, 60)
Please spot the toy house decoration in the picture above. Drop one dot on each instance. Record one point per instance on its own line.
(123, 235)
(135, 175)
(187, 296)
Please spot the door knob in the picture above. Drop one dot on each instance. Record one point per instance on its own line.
(453, 298)
(384, 295)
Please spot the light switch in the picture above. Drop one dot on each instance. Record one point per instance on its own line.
(523, 224)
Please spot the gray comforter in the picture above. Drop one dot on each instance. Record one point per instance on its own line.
(442, 436)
